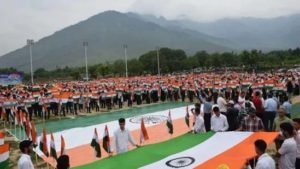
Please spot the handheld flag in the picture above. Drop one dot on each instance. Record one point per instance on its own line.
(43, 143)
(33, 134)
(95, 144)
(52, 148)
(62, 146)
(187, 117)
(144, 134)
(169, 123)
(106, 140)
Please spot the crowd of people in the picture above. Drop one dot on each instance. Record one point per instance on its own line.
(73, 97)
(229, 101)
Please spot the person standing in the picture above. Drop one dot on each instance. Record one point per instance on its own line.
(258, 102)
(232, 116)
(218, 121)
(270, 112)
(207, 107)
(297, 138)
(251, 123)
(199, 122)
(287, 105)
(265, 161)
(25, 161)
(121, 138)
(222, 103)
(288, 150)
(281, 118)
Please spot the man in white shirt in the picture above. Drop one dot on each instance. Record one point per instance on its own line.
(288, 150)
(297, 138)
(265, 161)
(199, 122)
(270, 112)
(218, 121)
(121, 138)
(222, 103)
(25, 161)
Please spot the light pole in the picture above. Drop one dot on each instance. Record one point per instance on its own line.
(158, 68)
(30, 44)
(125, 53)
(85, 45)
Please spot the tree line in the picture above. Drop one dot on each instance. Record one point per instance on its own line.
(175, 60)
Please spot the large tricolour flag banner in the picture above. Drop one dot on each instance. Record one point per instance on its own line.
(4, 155)
(210, 150)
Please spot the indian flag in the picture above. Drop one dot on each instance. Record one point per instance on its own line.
(62, 146)
(144, 134)
(210, 150)
(106, 140)
(4, 155)
(169, 123)
(52, 147)
(95, 144)
(43, 143)
(187, 117)
(2, 135)
(33, 134)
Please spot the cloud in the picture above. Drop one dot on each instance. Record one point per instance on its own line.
(22, 19)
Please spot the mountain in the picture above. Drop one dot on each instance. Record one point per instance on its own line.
(106, 33)
(244, 33)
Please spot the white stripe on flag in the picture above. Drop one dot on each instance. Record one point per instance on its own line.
(1, 141)
(82, 133)
(4, 156)
(212, 147)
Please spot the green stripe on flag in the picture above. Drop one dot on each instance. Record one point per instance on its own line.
(150, 153)
(4, 164)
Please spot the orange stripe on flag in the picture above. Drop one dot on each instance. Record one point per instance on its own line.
(2, 135)
(237, 156)
(4, 148)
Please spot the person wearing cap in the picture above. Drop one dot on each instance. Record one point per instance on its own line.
(218, 121)
(232, 116)
(251, 122)
(25, 161)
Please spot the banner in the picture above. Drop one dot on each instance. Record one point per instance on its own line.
(10, 79)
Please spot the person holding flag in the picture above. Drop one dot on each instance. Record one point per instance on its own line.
(199, 122)
(121, 138)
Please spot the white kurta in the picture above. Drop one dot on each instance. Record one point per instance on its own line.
(121, 139)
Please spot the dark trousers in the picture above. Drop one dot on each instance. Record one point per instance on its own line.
(207, 117)
(268, 119)
(297, 163)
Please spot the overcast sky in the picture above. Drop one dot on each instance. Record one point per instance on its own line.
(23, 19)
